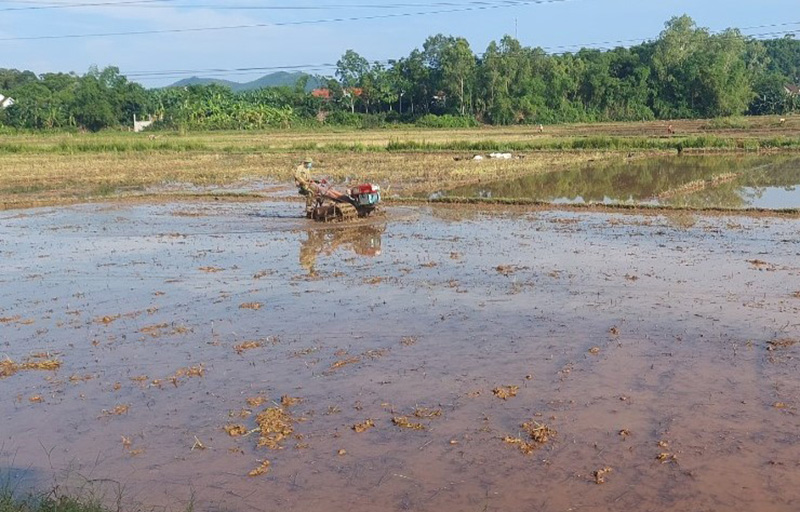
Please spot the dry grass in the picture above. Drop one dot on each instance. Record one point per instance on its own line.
(54, 178)
(62, 168)
(282, 140)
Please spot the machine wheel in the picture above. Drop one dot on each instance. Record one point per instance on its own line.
(346, 212)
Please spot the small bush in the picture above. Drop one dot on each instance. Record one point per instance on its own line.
(728, 123)
(346, 119)
(446, 121)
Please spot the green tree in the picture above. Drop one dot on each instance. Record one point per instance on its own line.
(458, 72)
(32, 107)
(784, 57)
(92, 106)
(11, 79)
(414, 81)
(697, 74)
(351, 70)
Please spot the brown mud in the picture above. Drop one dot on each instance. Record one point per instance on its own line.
(647, 355)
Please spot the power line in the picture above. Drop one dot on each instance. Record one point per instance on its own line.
(643, 40)
(157, 4)
(250, 70)
(41, 7)
(483, 7)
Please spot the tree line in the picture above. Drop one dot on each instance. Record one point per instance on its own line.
(687, 72)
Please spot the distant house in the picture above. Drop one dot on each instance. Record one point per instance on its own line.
(6, 101)
(139, 126)
(792, 90)
(325, 93)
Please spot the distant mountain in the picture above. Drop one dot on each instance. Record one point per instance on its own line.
(278, 79)
(195, 80)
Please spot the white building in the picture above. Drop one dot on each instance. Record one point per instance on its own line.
(139, 126)
(5, 101)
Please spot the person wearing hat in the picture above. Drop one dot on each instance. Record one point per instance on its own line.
(302, 178)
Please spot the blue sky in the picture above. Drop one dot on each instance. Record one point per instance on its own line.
(553, 25)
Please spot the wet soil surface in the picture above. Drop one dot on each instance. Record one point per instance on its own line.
(236, 357)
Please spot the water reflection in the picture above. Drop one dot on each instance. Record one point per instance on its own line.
(697, 181)
(362, 240)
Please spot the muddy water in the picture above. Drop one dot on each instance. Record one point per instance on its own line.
(769, 182)
(631, 337)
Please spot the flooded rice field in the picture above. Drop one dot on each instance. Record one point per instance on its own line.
(769, 182)
(233, 356)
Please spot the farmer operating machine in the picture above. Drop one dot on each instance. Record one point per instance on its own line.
(326, 204)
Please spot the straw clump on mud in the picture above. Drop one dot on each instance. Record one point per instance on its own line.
(505, 392)
(235, 430)
(600, 475)
(781, 344)
(538, 434)
(118, 410)
(163, 329)
(262, 469)
(247, 345)
(256, 401)
(8, 367)
(404, 422)
(426, 413)
(274, 426)
(363, 427)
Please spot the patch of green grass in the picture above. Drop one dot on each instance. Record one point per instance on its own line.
(728, 123)
(24, 189)
(105, 190)
(592, 143)
(9, 503)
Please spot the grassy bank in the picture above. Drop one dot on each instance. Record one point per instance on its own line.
(58, 168)
(613, 207)
(54, 179)
(8, 503)
(591, 143)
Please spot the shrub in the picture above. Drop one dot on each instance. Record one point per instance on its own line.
(446, 121)
(346, 119)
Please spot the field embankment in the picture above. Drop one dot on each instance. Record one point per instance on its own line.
(41, 169)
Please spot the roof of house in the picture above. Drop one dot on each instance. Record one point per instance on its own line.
(324, 92)
(792, 89)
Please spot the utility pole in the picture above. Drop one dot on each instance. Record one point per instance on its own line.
(515, 29)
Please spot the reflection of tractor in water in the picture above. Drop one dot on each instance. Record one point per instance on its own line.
(324, 203)
(363, 240)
